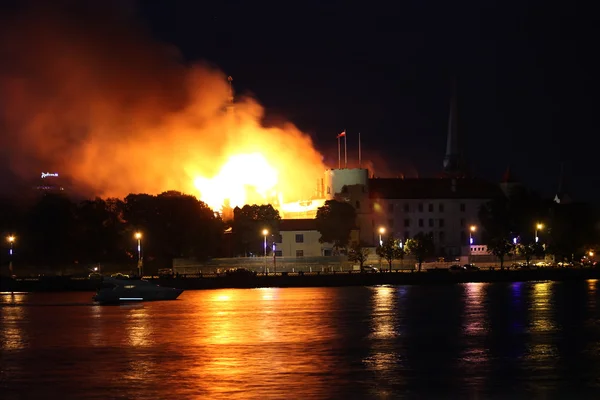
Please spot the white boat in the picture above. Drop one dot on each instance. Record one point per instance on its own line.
(115, 290)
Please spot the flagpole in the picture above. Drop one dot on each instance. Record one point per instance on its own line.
(345, 150)
(339, 154)
(359, 155)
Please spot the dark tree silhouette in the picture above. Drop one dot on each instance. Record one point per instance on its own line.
(500, 247)
(335, 221)
(358, 254)
(248, 224)
(390, 251)
(421, 247)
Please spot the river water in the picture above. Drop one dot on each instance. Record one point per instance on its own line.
(477, 340)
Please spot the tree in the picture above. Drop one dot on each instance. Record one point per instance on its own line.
(390, 251)
(500, 247)
(421, 247)
(358, 254)
(528, 250)
(335, 221)
(248, 224)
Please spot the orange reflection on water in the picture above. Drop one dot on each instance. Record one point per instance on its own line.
(383, 312)
(541, 307)
(245, 335)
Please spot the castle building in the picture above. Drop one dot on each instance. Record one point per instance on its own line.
(446, 207)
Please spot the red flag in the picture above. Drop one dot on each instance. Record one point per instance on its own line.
(341, 134)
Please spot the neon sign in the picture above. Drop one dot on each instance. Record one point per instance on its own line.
(47, 174)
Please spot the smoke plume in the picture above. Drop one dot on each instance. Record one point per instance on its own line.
(85, 92)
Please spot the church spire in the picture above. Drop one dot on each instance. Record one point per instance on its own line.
(452, 160)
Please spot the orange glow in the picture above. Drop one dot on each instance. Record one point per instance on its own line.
(115, 113)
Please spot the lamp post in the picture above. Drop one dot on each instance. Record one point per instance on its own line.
(538, 227)
(11, 241)
(265, 232)
(472, 230)
(138, 236)
(381, 232)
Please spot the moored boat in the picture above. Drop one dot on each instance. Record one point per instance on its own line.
(115, 290)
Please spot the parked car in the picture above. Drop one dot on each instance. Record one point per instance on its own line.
(457, 268)
(369, 268)
(471, 267)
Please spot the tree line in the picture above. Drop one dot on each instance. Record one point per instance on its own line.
(55, 231)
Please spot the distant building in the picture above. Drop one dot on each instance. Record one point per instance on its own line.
(445, 207)
(300, 238)
(50, 182)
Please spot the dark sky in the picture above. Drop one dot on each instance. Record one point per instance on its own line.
(526, 75)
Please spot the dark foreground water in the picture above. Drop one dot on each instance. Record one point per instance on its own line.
(520, 340)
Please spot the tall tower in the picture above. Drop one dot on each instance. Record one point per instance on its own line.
(230, 105)
(453, 163)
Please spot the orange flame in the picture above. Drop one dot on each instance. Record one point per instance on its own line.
(98, 102)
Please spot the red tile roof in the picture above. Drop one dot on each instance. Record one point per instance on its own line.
(440, 188)
(286, 225)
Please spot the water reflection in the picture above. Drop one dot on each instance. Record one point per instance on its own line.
(540, 307)
(479, 340)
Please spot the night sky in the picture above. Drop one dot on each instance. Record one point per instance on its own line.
(526, 74)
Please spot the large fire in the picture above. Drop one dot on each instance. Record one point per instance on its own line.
(95, 99)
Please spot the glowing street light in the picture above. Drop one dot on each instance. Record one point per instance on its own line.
(381, 232)
(11, 240)
(265, 232)
(472, 230)
(591, 253)
(138, 236)
(538, 227)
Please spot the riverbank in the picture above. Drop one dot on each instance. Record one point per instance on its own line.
(63, 284)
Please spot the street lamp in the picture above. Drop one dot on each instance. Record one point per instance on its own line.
(381, 232)
(591, 253)
(265, 232)
(138, 236)
(538, 227)
(11, 240)
(472, 230)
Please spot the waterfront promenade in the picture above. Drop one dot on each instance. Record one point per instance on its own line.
(314, 279)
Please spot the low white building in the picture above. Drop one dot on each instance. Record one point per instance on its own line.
(300, 238)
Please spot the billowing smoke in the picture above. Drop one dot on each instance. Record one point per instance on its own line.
(85, 92)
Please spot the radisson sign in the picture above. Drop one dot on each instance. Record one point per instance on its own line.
(47, 174)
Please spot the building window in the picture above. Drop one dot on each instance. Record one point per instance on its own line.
(407, 222)
(463, 207)
(357, 205)
(431, 208)
(441, 207)
(420, 207)
(441, 222)
(463, 237)
(299, 238)
(431, 222)
(299, 253)
(328, 190)
(278, 253)
(390, 224)
(391, 207)
(442, 236)
(420, 222)
(406, 207)
(462, 222)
